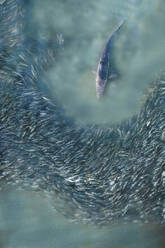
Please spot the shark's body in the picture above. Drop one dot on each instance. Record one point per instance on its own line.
(103, 70)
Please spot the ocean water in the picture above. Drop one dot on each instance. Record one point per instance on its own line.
(84, 28)
(34, 224)
(80, 30)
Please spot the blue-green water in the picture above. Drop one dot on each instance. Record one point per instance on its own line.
(85, 26)
(34, 224)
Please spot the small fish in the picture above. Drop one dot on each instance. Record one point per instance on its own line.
(103, 70)
(2, 1)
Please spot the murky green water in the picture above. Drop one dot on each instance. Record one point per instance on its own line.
(85, 27)
(34, 224)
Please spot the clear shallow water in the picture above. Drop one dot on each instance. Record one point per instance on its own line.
(33, 223)
(85, 27)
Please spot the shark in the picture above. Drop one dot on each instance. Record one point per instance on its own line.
(104, 72)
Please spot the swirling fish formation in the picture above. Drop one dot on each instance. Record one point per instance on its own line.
(93, 173)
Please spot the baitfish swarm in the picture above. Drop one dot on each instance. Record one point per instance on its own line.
(95, 173)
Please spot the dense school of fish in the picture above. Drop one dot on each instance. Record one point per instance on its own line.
(94, 173)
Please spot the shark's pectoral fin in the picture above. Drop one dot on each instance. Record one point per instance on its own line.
(113, 76)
